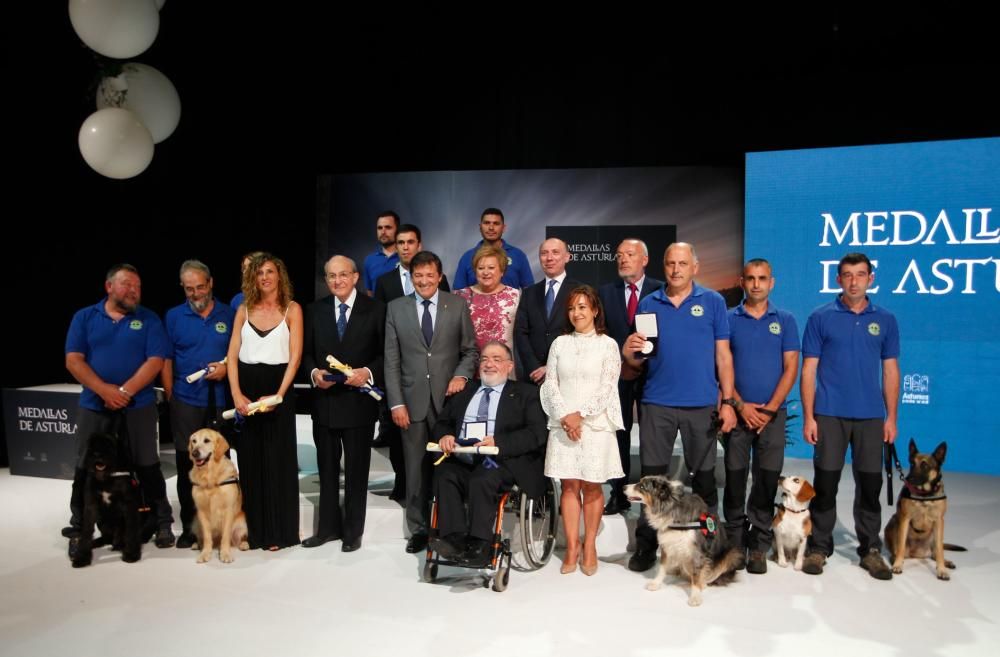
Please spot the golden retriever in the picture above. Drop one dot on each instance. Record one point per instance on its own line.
(217, 496)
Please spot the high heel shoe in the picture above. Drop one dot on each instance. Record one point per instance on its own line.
(568, 566)
(588, 570)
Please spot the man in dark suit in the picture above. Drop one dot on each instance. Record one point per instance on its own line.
(621, 300)
(430, 354)
(516, 424)
(398, 283)
(351, 328)
(392, 285)
(541, 315)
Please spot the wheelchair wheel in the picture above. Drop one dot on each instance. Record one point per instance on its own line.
(539, 523)
(501, 577)
(430, 571)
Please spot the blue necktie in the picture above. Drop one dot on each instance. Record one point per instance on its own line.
(426, 325)
(550, 298)
(342, 321)
(482, 415)
(407, 286)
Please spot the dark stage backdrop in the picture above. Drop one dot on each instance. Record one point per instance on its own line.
(595, 207)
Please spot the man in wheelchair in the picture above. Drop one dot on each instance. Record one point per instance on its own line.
(497, 412)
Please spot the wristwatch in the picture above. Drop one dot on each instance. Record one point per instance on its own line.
(732, 401)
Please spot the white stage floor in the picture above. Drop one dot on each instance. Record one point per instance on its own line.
(320, 601)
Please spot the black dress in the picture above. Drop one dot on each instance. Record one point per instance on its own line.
(267, 447)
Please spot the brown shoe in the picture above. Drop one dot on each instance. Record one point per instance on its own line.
(813, 563)
(876, 565)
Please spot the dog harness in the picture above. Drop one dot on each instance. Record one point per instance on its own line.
(707, 523)
(234, 480)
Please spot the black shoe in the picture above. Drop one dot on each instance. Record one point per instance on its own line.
(165, 538)
(71, 532)
(449, 546)
(416, 543)
(186, 540)
(317, 540)
(380, 442)
(642, 560)
(350, 546)
(617, 504)
(477, 553)
(757, 563)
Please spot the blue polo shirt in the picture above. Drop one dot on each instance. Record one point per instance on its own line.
(850, 347)
(517, 274)
(116, 349)
(376, 264)
(682, 373)
(198, 341)
(237, 301)
(759, 347)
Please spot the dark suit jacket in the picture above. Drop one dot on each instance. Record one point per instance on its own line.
(417, 374)
(520, 431)
(534, 333)
(340, 406)
(615, 312)
(388, 286)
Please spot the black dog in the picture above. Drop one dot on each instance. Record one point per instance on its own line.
(110, 501)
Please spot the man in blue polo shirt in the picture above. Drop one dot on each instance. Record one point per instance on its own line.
(685, 374)
(850, 347)
(385, 258)
(199, 330)
(492, 227)
(115, 349)
(765, 345)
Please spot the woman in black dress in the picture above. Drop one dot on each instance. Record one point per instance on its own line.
(267, 345)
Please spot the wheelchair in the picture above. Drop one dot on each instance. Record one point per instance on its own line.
(528, 545)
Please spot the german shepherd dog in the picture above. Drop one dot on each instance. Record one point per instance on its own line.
(916, 530)
(693, 544)
(110, 501)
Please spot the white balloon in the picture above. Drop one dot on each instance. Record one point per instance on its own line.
(115, 143)
(115, 28)
(147, 93)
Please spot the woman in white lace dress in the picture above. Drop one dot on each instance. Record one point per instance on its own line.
(580, 396)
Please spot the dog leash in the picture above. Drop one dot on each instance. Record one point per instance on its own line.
(891, 458)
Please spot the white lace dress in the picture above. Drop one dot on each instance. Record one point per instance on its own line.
(582, 375)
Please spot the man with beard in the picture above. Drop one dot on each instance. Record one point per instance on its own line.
(385, 258)
(116, 349)
(516, 424)
(199, 330)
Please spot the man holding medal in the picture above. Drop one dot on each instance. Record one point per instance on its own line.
(687, 364)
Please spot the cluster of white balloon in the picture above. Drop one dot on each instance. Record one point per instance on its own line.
(136, 109)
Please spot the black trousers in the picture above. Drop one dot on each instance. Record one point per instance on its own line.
(355, 444)
(454, 483)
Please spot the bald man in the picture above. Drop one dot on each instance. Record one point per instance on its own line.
(541, 315)
(350, 327)
(691, 365)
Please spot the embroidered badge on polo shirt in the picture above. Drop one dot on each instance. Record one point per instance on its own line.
(774, 328)
(135, 324)
(874, 328)
(697, 311)
(220, 327)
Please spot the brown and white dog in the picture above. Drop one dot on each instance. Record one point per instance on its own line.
(693, 543)
(217, 496)
(916, 530)
(792, 524)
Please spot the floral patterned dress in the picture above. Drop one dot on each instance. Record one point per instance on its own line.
(493, 314)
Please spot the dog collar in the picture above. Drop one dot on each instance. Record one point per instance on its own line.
(706, 523)
(935, 493)
(120, 474)
(785, 508)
